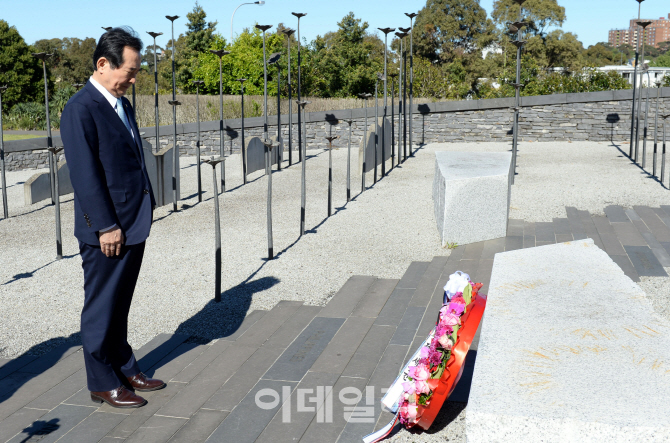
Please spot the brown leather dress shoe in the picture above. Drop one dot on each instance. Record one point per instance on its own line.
(119, 398)
(141, 382)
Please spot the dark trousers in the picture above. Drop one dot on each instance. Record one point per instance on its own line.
(109, 283)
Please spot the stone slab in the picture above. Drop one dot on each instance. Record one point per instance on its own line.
(375, 298)
(159, 169)
(370, 153)
(38, 187)
(562, 360)
(199, 427)
(54, 424)
(616, 214)
(93, 428)
(471, 179)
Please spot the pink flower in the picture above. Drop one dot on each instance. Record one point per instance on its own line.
(408, 387)
(456, 308)
(408, 413)
(445, 341)
(422, 387)
(420, 372)
(435, 357)
(451, 319)
(443, 329)
(425, 351)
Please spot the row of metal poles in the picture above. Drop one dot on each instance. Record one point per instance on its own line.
(636, 108)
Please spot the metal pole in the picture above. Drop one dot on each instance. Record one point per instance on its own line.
(197, 84)
(59, 240)
(403, 79)
(330, 173)
(663, 153)
(279, 137)
(303, 183)
(157, 147)
(217, 230)
(5, 205)
(264, 28)
(376, 129)
(658, 94)
(637, 59)
(221, 53)
(289, 32)
(299, 15)
(639, 100)
(349, 163)
(268, 170)
(44, 56)
(386, 32)
(365, 97)
(393, 76)
(517, 95)
(175, 151)
(646, 125)
(411, 76)
(244, 149)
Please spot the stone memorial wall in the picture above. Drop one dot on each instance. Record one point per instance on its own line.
(594, 116)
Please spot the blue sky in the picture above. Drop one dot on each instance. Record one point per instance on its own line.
(38, 19)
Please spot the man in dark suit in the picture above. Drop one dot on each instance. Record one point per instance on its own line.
(113, 205)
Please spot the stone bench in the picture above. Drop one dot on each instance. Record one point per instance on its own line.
(38, 187)
(570, 351)
(471, 192)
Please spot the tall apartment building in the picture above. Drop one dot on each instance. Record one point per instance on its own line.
(657, 32)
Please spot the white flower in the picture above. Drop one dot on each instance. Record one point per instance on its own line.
(457, 282)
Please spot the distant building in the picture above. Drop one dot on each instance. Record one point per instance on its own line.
(657, 32)
(655, 74)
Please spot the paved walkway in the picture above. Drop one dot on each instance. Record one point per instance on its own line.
(298, 355)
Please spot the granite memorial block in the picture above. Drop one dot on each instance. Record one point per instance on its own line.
(370, 155)
(38, 187)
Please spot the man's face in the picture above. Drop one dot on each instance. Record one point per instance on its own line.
(117, 81)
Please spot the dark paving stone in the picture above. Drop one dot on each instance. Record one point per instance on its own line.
(644, 261)
(575, 223)
(424, 291)
(329, 432)
(156, 429)
(473, 251)
(127, 427)
(386, 372)
(290, 422)
(457, 253)
(662, 256)
(513, 242)
(337, 354)
(364, 361)
(612, 244)
(285, 335)
(395, 307)
(529, 228)
(632, 215)
(562, 238)
(616, 214)
(654, 223)
(93, 428)
(604, 226)
(404, 334)
(19, 420)
(194, 368)
(199, 427)
(528, 241)
(468, 266)
(175, 362)
(187, 401)
(492, 247)
(544, 243)
(462, 390)
(48, 360)
(249, 321)
(544, 232)
(272, 321)
(663, 216)
(239, 385)
(590, 229)
(483, 274)
(61, 392)
(303, 352)
(248, 420)
(629, 235)
(666, 245)
(54, 424)
(160, 346)
(346, 299)
(375, 298)
(562, 226)
(514, 228)
(11, 366)
(666, 208)
(20, 388)
(413, 275)
(641, 226)
(80, 398)
(156, 400)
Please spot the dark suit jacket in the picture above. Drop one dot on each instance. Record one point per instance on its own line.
(107, 169)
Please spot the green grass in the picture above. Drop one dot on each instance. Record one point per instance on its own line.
(9, 137)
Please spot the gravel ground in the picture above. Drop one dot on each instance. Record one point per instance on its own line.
(378, 233)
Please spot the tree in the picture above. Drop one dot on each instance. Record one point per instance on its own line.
(19, 70)
(662, 61)
(200, 34)
(72, 61)
(540, 14)
(449, 29)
